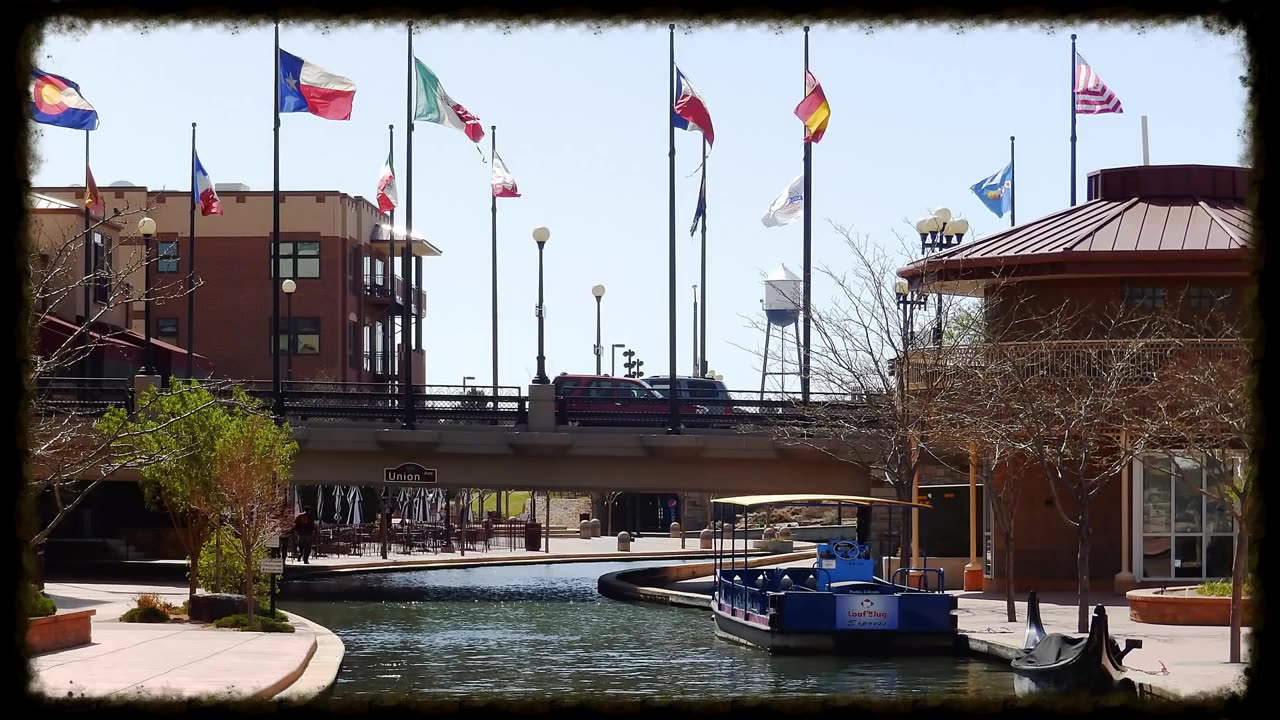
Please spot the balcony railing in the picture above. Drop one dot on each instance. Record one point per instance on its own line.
(1143, 360)
(380, 287)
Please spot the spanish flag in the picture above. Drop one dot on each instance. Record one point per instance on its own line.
(92, 198)
(813, 110)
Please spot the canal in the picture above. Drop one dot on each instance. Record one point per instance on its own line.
(543, 630)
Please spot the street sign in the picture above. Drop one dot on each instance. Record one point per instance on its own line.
(409, 473)
(274, 566)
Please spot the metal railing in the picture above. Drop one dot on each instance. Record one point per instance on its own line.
(740, 410)
(82, 396)
(384, 288)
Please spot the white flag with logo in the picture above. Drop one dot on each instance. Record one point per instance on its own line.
(788, 206)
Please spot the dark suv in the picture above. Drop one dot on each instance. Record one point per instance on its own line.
(710, 393)
(595, 398)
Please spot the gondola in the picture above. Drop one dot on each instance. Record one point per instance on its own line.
(1065, 664)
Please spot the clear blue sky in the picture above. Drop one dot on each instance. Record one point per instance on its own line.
(919, 115)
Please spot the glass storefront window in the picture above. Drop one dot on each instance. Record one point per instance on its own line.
(1185, 534)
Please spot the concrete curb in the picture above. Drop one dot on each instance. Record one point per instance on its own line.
(640, 585)
(460, 564)
(317, 673)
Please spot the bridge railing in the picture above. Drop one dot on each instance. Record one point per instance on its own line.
(82, 396)
(385, 403)
(741, 410)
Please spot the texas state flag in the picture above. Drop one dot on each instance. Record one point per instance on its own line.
(205, 197)
(689, 112)
(307, 87)
(56, 100)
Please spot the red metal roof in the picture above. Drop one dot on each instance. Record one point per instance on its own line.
(1145, 214)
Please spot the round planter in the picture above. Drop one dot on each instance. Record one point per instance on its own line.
(1183, 606)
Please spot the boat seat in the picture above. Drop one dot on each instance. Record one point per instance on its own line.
(856, 585)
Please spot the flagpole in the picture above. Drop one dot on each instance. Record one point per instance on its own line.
(405, 266)
(808, 237)
(697, 365)
(391, 150)
(1013, 186)
(493, 254)
(391, 223)
(275, 245)
(1073, 119)
(191, 266)
(88, 252)
(702, 337)
(674, 407)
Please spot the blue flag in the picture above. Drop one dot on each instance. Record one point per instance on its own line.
(996, 192)
(702, 203)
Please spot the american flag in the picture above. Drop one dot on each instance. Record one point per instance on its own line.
(1093, 97)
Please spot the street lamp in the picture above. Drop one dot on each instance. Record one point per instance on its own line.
(288, 287)
(147, 228)
(940, 231)
(613, 359)
(464, 382)
(541, 235)
(598, 292)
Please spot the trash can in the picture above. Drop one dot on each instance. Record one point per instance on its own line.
(533, 537)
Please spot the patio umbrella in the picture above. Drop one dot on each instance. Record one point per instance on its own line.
(297, 501)
(337, 504)
(319, 503)
(357, 510)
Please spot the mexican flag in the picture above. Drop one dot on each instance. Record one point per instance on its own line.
(435, 105)
(387, 187)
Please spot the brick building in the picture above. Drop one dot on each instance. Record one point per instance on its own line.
(346, 310)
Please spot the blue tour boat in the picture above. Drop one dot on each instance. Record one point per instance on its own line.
(836, 606)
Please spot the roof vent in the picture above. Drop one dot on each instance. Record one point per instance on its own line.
(122, 183)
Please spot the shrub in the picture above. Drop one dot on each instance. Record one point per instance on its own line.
(260, 624)
(232, 565)
(39, 604)
(1222, 588)
(145, 615)
(152, 600)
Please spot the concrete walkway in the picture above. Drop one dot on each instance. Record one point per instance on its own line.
(179, 659)
(1175, 660)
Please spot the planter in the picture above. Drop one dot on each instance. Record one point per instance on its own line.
(59, 632)
(1183, 606)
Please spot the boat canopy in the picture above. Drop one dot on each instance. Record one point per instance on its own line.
(795, 500)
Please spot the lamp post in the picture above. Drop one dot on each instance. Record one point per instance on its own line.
(940, 231)
(147, 228)
(598, 292)
(908, 301)
(541, 235)
(288, 287)
(613, 359)
(464, 382)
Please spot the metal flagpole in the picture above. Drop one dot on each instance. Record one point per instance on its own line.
(808, 238)
(406, 268)
(89, 249)
(1013, 185)
(275, 245)
(673, 424)
(702, 336)
(697, 364)
(493, 254)
(1146, 149)
(1074, 80)
(191, 266)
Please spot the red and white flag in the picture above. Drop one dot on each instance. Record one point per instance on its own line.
(387, 199)
(1092, 96)
(503, 184)
(206, 197)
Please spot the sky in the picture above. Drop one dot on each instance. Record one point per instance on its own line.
(919, 114)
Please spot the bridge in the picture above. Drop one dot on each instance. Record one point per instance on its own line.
(503, 438)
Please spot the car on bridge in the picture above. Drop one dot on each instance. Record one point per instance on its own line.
(711, 393)
(606, 400)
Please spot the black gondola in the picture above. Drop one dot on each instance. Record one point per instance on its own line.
(1065, 664)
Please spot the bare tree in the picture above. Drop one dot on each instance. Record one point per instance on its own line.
(874, 414)
(69, 453)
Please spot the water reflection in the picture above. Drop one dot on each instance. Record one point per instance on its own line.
(544, 630)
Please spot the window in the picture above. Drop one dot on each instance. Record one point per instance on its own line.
(354, 341)
(101, 268)
(168, 262)
(1205, 298)
(300, 259)
(304, 333)
(1182, 532)
(167, 328)
(1148, 298)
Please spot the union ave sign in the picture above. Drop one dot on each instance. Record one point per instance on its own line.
(409, 473)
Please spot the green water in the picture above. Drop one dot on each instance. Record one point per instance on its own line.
(544, 631)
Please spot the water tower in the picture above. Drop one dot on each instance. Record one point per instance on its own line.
(782, 303)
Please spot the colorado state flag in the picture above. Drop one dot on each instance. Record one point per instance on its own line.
(996, 192)
(56, 100)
